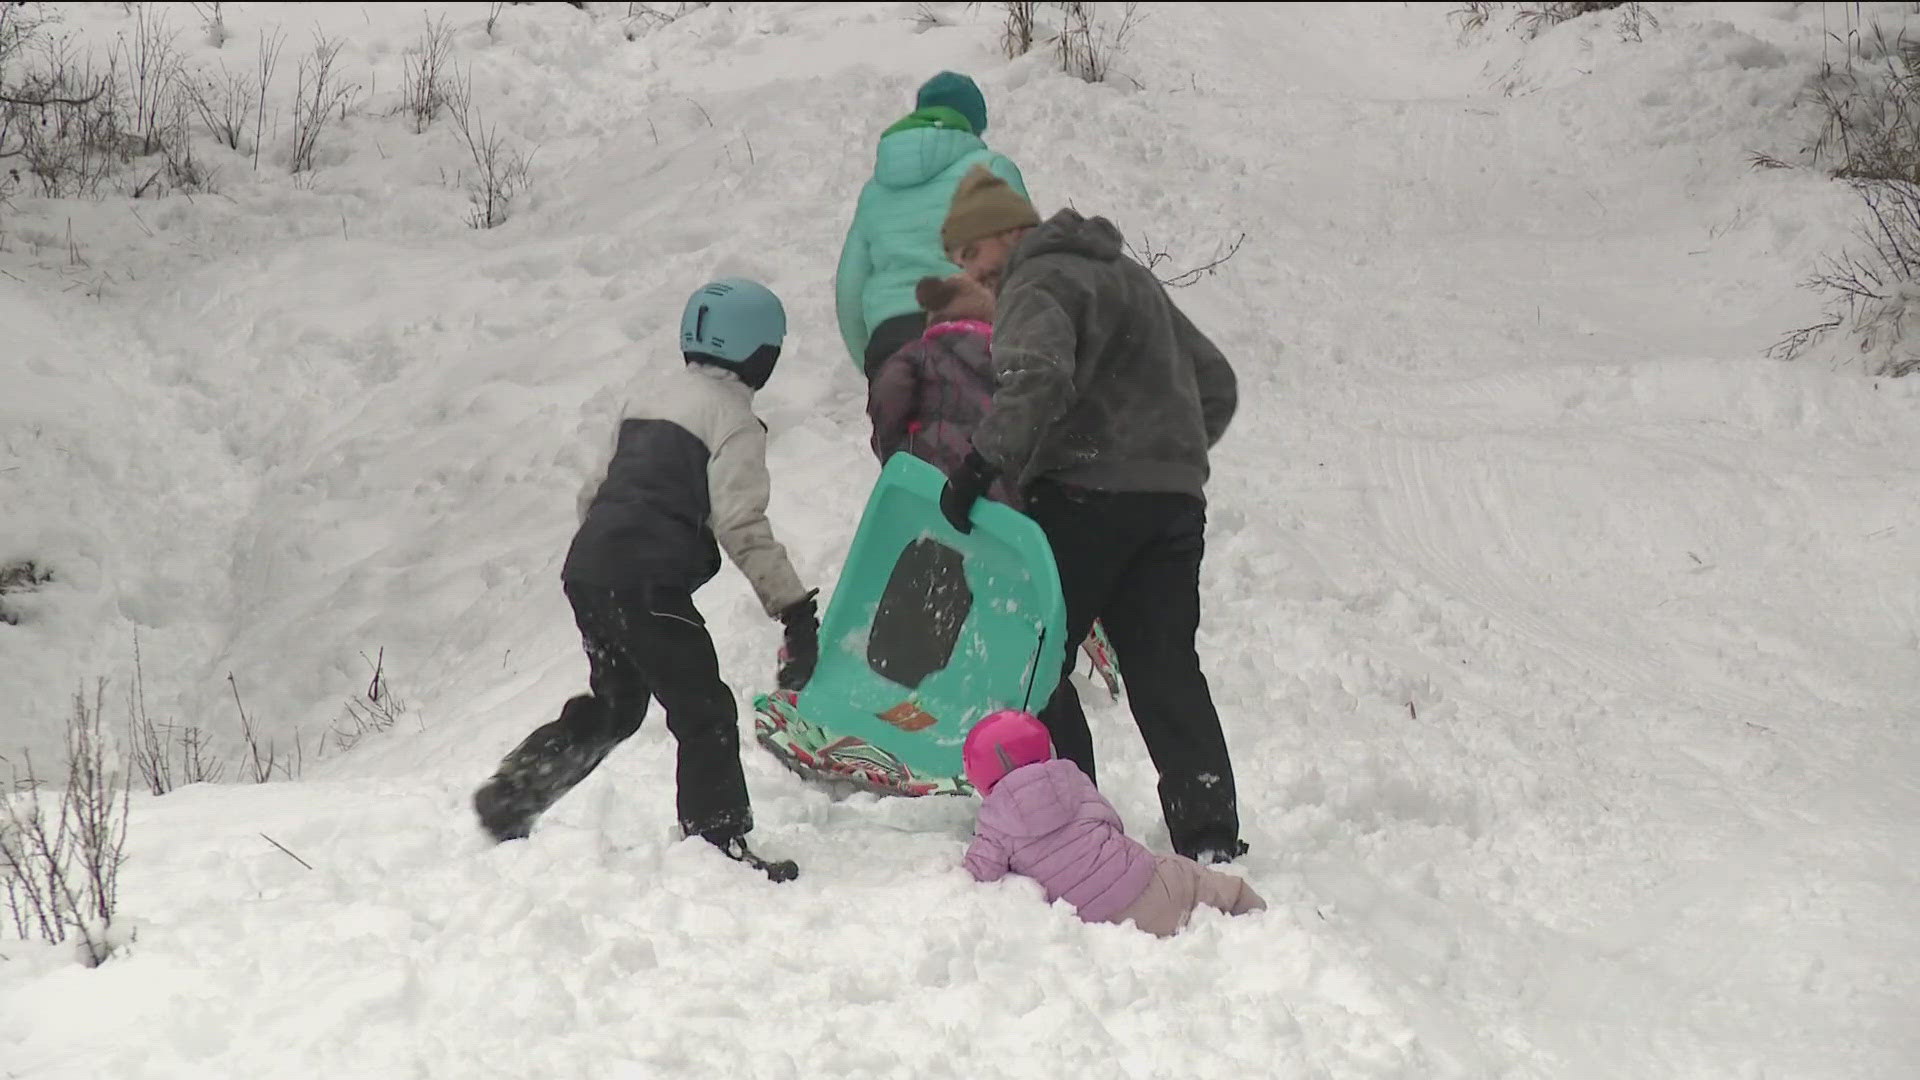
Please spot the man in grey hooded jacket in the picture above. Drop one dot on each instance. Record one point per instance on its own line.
(1108, 400)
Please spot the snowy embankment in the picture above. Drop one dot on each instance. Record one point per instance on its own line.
(1568, 652)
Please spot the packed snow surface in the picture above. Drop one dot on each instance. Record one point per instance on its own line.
(1569, 650)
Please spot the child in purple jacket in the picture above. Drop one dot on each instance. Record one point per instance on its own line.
(927, 398)
(1044, 819)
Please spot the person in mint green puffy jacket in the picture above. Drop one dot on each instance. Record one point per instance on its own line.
(895, 237)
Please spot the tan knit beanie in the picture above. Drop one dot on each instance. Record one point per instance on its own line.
(984, 205)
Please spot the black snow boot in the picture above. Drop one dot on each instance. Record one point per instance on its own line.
(1213, 853)
(546, 766)
(735, 848)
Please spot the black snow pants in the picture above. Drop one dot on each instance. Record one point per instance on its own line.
(890, 337)
(1132, 561)
(645, 643)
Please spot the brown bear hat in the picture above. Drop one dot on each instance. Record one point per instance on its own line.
(953, 298)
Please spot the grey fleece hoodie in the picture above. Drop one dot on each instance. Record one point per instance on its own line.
(1102, 382)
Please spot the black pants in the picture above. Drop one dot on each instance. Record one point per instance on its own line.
(890, 337)
(652, 643)
(1132, 561)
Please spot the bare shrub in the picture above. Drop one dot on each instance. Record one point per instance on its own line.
(423, 86)
(500, 171)
(320, 94)
(22, 27)
(268, 60)
(1155, 259)
(223, 103)
(1532, 20)
(1088, 45)
(1870, 115)
(180, 169)
(1016, 32)
(170, 755)
(1472, 17)
(60, 863)
(96, 797)
(61, 118)
(150, 753)
(165, 754)
(185, 172)
(1872, 290)
(263, 757)
(149, 63)
(641, 18)
(73, 126)
(1634, 21)
(1869, 137)
(213, 20)
(19, 24)
(371, 711)
(19, 577)
(25, 574)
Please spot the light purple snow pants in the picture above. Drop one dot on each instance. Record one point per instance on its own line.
(1178, 885)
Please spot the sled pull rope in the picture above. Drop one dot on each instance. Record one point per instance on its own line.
(1033, 669)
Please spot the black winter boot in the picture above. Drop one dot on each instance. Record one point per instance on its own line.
(547, 765)
(1213, 853)
(735, 848)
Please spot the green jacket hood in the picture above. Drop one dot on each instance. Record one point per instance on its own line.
(934, 116)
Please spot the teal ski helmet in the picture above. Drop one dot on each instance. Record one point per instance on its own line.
(735, 324)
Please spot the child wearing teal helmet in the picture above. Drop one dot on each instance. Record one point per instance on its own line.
(683, 478)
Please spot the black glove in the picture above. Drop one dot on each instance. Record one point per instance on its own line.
(800, 652)
(964, 488)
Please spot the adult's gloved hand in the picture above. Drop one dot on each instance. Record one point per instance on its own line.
(964, 488)
(800, 651)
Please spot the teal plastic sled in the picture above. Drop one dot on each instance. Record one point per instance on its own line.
(929, 630)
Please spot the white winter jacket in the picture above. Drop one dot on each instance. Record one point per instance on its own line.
(685, 468)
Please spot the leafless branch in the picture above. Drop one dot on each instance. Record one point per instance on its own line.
(1153, 258)
(284, 851)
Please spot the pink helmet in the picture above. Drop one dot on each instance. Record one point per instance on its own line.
(1000, 743)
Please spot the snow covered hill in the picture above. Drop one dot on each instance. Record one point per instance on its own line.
(1569, 652)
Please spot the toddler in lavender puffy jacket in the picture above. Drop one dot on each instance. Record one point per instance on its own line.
(1044, 819)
